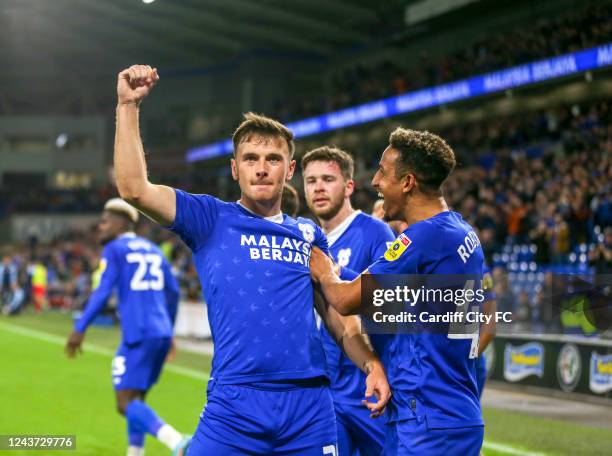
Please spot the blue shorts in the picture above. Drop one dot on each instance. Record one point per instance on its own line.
(137, 366)
(357, 432)
(413, 437)
(243, 419)
(481, 373)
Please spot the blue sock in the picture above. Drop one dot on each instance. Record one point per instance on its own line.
(142, 417)
(136, 436)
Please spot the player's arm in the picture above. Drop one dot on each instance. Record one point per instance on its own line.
(95, 304)
(487, 330)
(346, 331)
(158, 202)
(343, 296)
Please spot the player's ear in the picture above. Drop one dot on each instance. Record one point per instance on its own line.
(350, 187)
(234, 169)
(409, 183)
(291, 170)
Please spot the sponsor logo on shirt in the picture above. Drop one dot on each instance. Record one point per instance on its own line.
(277, 248)
(397, 248)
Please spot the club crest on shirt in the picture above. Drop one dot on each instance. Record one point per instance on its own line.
(398, 247)
(344, 256)
(307, 231)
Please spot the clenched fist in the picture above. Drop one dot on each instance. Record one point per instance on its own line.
(135, 83)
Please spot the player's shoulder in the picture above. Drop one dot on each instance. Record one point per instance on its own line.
(200, 199)
(445, 225)
(308, 229)
(373, 224)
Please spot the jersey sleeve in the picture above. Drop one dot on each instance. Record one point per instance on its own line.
(171, 291)
(195, 218)
(109, 268)
(383, 238)
(401, 257)
(321, 240)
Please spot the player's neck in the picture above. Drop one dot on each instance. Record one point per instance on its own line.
(345, 211)
(423, 208)
(261, 208)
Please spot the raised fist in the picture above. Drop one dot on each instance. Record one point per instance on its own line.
(135, 83)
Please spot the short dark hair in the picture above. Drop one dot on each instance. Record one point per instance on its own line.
(425, 154)
(259, 125)
(290, 203)
(331, 154)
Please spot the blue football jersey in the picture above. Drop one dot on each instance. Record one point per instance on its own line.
(432, 375)
(256, 281)
(354, 244)
(147, 290)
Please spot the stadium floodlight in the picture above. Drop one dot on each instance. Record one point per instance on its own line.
(61, 140)
(147, 1)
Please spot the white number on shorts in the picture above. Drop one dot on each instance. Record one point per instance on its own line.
(146, 261)
(118, 366)
(330, 449)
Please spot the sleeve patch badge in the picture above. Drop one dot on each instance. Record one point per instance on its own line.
(397, 248)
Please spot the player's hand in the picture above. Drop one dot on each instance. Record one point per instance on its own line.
(320, 264)
(376, 386)
(172, 352)
(73, 345)
(135, 83)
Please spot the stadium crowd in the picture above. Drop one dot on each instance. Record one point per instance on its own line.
(572, 31)
(540, 180)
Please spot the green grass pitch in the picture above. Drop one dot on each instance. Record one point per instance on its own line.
(42, 392)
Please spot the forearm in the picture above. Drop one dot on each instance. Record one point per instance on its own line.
(356, 345)
(158, 202)
(96, 303)
(130, 165)
(346, 331)
(487, 331)
(343, 296)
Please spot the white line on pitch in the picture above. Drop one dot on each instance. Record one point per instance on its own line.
(507, 449)
(92, 348)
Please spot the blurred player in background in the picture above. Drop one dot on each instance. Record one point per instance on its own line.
(435, 408)
(268, 391)
(148, 297)
(398, 226)
(290, 204)
(355, 241)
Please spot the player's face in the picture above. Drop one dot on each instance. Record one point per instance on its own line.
(389, 187)
(261, 167)
(325, 188)
(109, 227)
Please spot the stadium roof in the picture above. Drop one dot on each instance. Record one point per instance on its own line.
(74, 41)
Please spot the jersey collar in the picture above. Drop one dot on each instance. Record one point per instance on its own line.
(278, 218)
(128, 234)
(335, 234)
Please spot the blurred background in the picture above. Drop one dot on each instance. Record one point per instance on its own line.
(522, 91)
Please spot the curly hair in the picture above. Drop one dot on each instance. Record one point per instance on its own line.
(424, 154)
